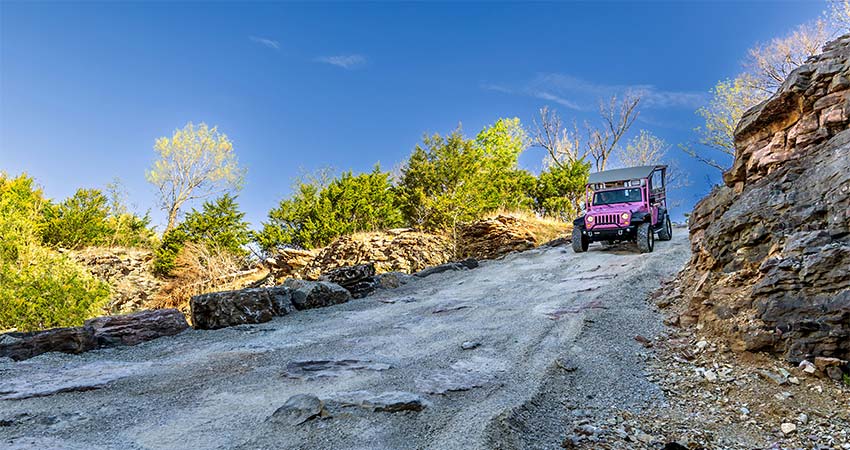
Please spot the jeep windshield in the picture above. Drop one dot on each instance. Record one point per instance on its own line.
(627, 195)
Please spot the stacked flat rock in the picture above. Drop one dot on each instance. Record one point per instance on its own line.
(495, 237)
(397, 250)
(127, 271)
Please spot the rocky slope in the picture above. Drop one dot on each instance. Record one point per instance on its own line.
(127, 271)
(771, 248)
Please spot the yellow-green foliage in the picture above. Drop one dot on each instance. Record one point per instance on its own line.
(196, 162)
(39, 288)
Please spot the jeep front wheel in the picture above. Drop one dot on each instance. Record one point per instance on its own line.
(666, 232)
(645, 238)
(580, 241)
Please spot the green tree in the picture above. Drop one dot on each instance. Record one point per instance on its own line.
(39, 288)
(319, 210)
(560, 189)
(218, 224)
(196, 162)
(449, 180)
(78, 221)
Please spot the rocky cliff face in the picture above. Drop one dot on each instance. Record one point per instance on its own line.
(771, 250)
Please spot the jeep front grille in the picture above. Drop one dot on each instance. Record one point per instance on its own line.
(605, 219)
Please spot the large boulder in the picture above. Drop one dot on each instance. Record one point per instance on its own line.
(229, 308)
(19, 346)
(107, 331)
(359, 280)
(316, 294)
(131, 329)
(771, 249)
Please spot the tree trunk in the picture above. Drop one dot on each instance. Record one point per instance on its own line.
(172, 218)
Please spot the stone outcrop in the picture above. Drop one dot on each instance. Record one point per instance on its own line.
(128, 273)
(129, 329)
(316, 294)
(771, 249)
(225, 309)
(398, 250)
(495, 237)
(359, 280)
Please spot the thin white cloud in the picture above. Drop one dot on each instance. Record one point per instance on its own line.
(266, 42)
(347, 62)
(543, 95)
(496, 88)
(579, 94)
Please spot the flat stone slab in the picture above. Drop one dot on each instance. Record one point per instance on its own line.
(391, 401)
(77, 379)
(313, 369)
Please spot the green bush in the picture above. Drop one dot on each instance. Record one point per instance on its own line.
(218, 224)
(39, 288)
(559, 190)
(89, 218)
(319, 212)
(451, 179)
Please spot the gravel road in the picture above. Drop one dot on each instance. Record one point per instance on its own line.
(555, 334)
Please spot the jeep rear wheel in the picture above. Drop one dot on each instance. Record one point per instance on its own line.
(645, 238)
(666, 232)
(580, 241)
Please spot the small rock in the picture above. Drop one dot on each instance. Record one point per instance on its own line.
(807, 367)
(776, 378)
(643, 437)
(469, 345)
(710, 376)
(701, 345)
(803, 418)
(788, 428)
(587, 430)
(299, 409)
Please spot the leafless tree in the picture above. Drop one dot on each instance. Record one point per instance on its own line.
(618, 115)
(644, 149)
(770, 64)
(563, 146)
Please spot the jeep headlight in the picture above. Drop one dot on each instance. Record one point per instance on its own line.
(590, 219)
(625, 217)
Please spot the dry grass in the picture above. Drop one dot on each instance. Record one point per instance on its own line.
(202, 269)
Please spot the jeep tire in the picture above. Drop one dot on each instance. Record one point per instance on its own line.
(645, 238)
(666, 231)
(580, 241)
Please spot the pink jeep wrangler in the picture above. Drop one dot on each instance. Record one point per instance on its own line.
(624, 205)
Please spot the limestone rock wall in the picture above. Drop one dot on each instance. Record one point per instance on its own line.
(771, 249)
(128, 273)
(398, 250)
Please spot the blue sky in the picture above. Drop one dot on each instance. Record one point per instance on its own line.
(86, 88)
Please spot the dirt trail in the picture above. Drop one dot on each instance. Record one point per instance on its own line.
(555, 331)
